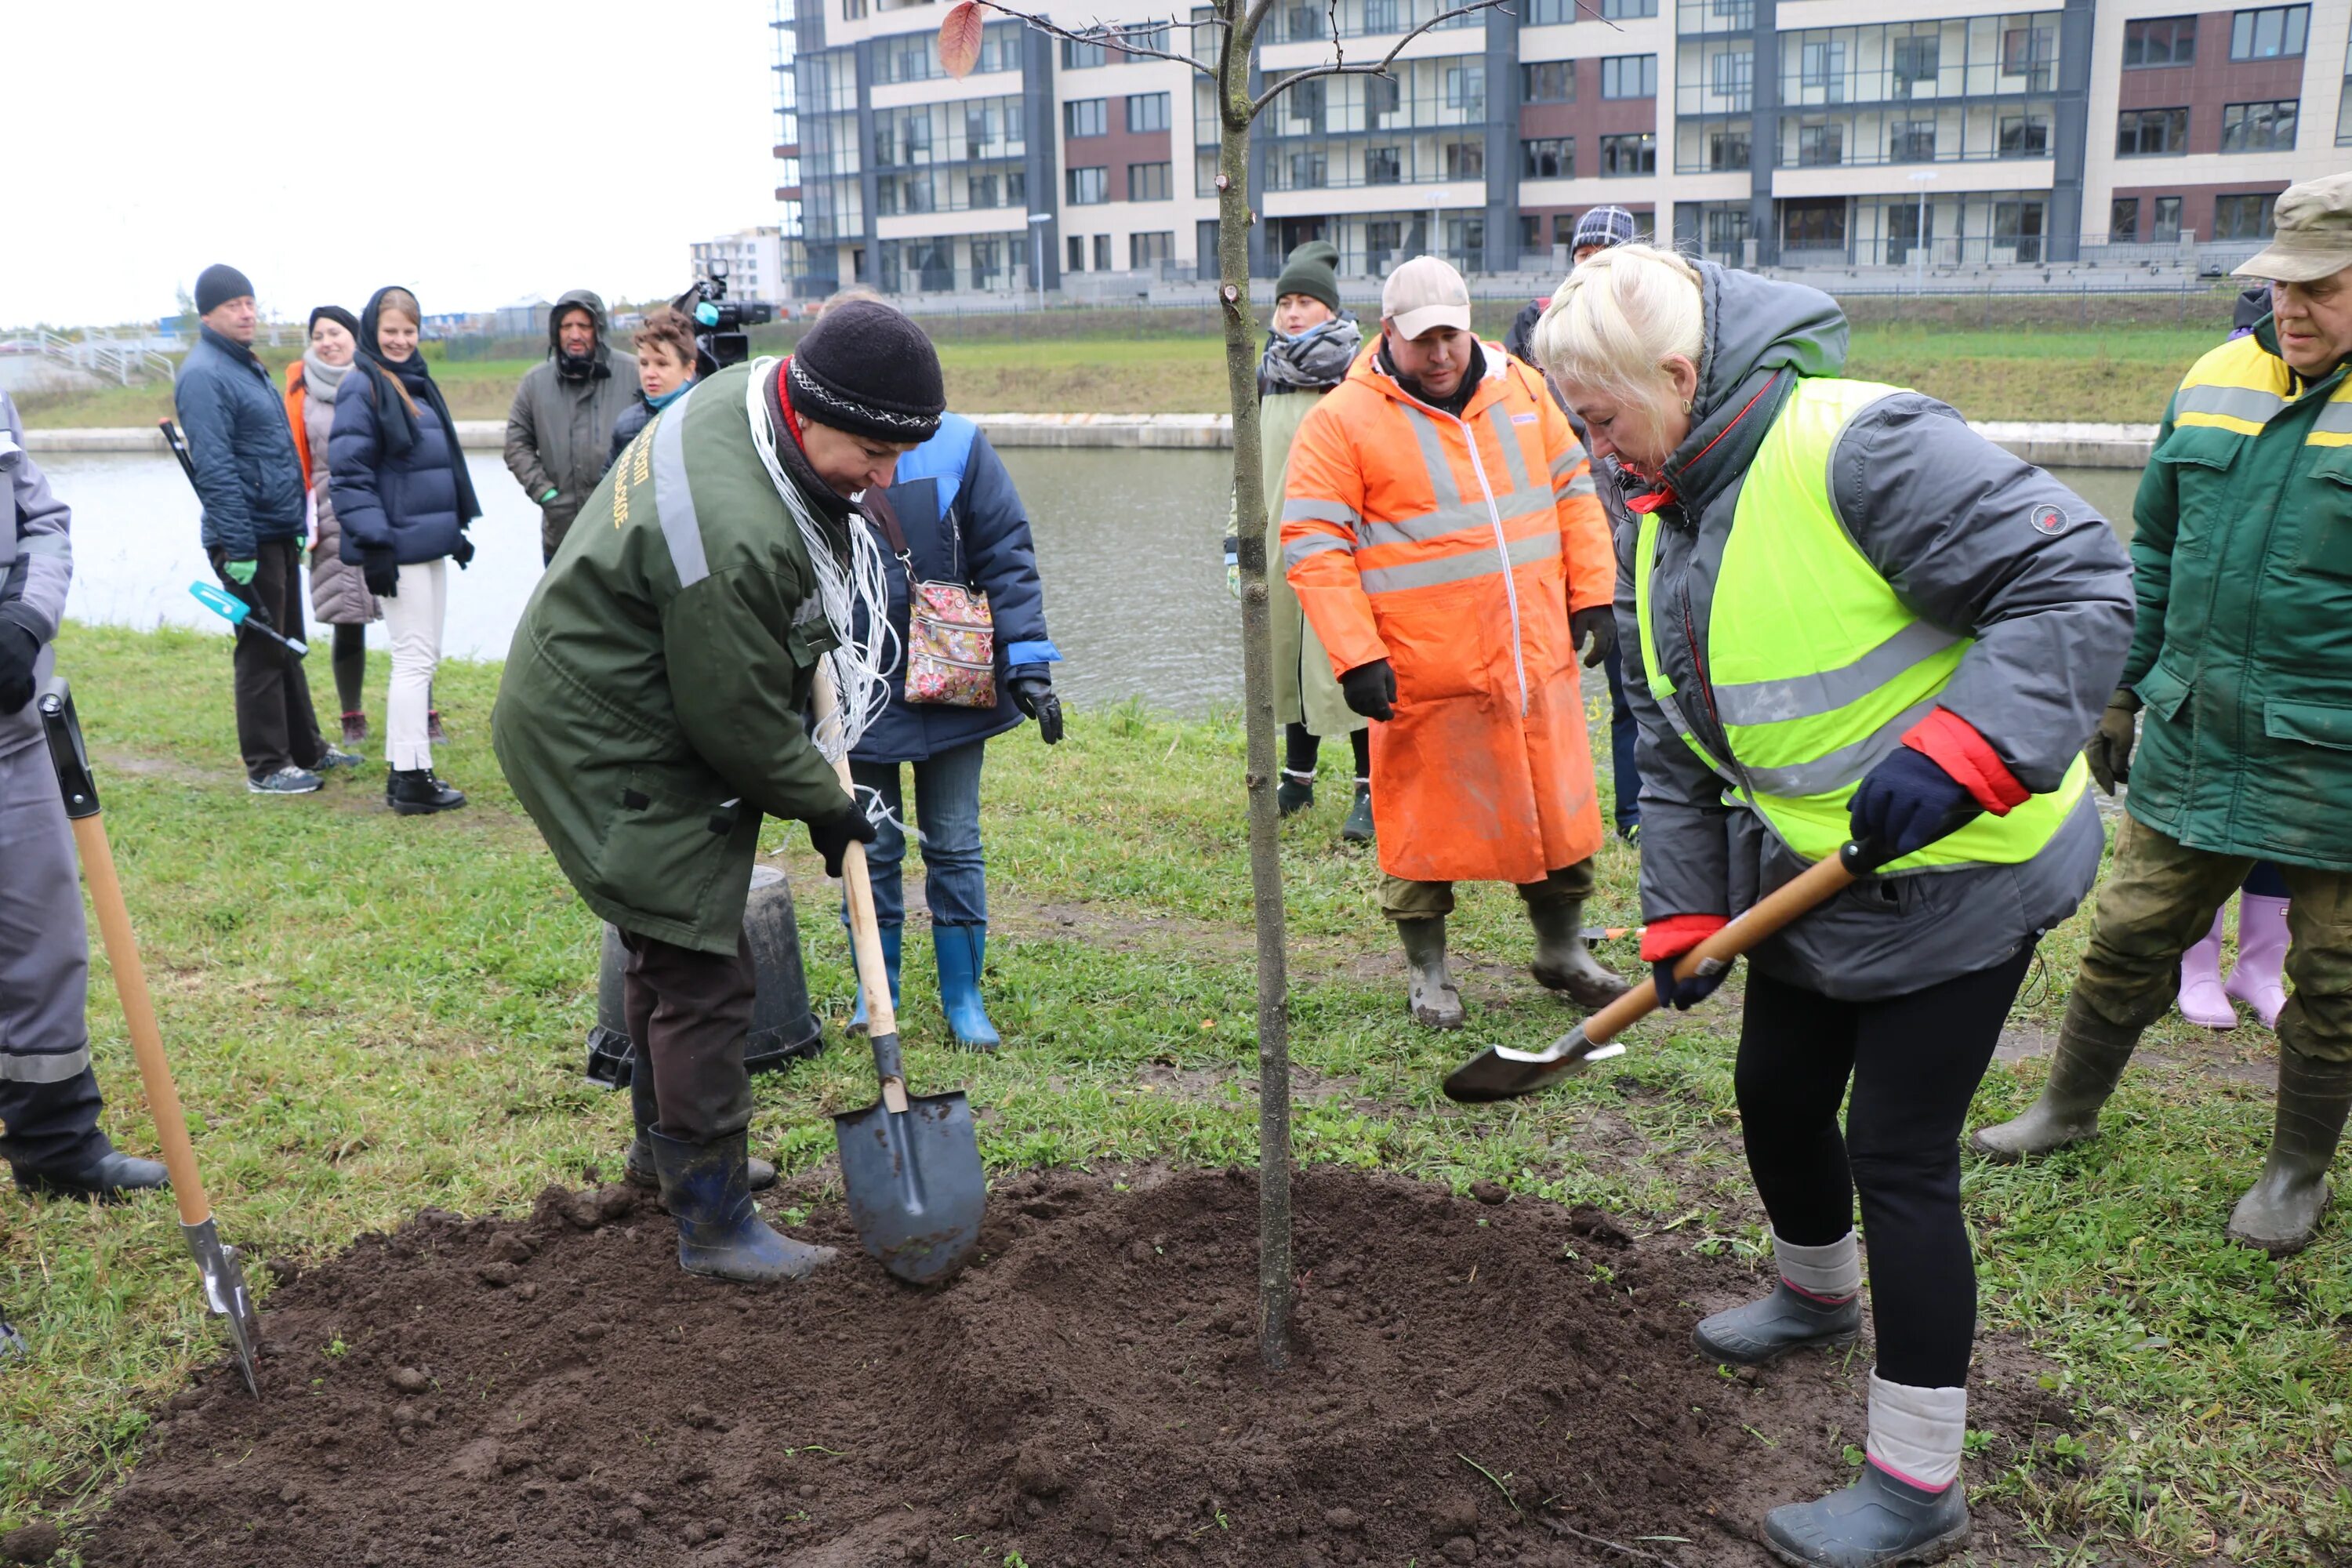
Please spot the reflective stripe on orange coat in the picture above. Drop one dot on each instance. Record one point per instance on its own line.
(1396, 525)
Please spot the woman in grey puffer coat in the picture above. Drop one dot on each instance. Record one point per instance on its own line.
(339, 595)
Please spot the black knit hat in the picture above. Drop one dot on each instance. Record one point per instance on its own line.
(337, 314)
(867, 369)
(218, 284)
(1313, 269)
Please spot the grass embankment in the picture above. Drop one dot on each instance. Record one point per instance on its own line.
(370, 1015)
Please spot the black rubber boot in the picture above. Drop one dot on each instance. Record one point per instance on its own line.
(1358, 828)
(2281, 1213)
(639, 1170)
(108, 1175)
(1875, 1523)
(1762, 1333)
(1563, 962)
(1429, 984)
(1295, 794)
(719, 1231)
(2092, 1054)
(415, 792)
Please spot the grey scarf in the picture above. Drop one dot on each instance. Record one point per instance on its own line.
(320, 379)
(1316, 360)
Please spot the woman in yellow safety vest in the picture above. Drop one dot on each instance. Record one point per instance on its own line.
(1845, 615)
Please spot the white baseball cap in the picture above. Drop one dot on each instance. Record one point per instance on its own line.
(1424, 293)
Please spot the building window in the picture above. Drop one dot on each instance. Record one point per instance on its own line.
(2167, 227)
(1382, 166)
(1466, 160)
(1380, 17)
(1465, 241)
(1628, 76)
(1729, 148)
(1732, 75)
(1077, 54)
(2259, 127)
(1813, 224)
(1088, 188)
(2161, 41)
(2151, 132)
(1146, 111)
(1917, 58)
(1627, 10)
(1546, 81)
(2123, 221)
(853, 10)
(1821, 145)
(1911, 142)
(1530, 232)
(1147, 250)
(1624, 156)
(1727, 231)
(2017, 226)
(1823, 65)
(1465, 88)
(1102, 253)
(2025, 136)
(2271, 33)
(2244, 218)
(1151, 181)
(1308, 172)
(1077, 253)
(1085, 117)
(1303, 21)
(1552, 158)
(2343, 109)
(2030, 52)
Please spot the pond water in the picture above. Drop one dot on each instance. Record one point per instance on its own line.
(1127, 543)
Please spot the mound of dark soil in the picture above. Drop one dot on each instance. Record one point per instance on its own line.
(555, 1391)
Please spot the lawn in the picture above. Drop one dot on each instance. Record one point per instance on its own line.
(371, 1014)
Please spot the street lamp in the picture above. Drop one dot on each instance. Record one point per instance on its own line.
(1037, 222)
(1922, 179)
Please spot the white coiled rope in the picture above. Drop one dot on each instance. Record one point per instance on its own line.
(861, 670)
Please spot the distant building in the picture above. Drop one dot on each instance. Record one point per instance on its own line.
(526, 318)
(754, 259)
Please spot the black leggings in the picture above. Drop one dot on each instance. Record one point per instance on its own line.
(350, 666)
(1914, 1062)
(1300, 747)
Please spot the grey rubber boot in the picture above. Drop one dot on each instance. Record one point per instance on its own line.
(1878, 1520)
(638, 1169)
(719, 1231)
(1435, 1004)
(1562, 961)
(1762, 1333)
(2092, 1054)
(2281, 1213)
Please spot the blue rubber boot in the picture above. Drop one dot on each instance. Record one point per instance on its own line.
(719, 1231)
(960, 951)
(892, 937)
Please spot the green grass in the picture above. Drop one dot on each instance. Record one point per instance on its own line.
(370, 1015)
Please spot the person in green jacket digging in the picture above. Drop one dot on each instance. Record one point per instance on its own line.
(2241, 669)
(654, 707)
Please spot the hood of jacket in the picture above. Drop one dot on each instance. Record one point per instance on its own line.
(597, 363)
(1760, 334)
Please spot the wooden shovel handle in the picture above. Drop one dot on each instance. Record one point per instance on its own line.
(1761, 920)
(865, 931)
(139, 1016)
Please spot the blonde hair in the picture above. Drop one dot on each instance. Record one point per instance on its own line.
(850, 295)
(401, 301)
(1616, 320)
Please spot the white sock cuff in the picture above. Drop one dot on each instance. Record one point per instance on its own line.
(1916, 1432)
(1833, 1271)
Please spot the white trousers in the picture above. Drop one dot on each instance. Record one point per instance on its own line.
(413, 617)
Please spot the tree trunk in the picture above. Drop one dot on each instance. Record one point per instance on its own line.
(1257, 702)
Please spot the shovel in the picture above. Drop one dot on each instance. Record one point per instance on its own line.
(225, 1296)
(909, 1163)
(1498, 1072)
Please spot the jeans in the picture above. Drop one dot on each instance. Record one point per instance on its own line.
(1623, 728)
(274, 725)
(415, 616)
(946, 816)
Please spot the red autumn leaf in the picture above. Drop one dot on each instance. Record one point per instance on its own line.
(959, 38)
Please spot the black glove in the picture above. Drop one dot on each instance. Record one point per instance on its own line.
(1682, 995)
(462, 551)
(19, 648)
(2109, 752)
(1033, 693)
(382, 570)
(1905, 803)
(1600, 623)
(1371, 689)
(831, 836)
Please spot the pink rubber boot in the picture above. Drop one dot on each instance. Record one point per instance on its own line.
(2203, 999)
(2256, 978)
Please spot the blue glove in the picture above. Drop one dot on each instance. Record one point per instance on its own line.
(1905, 803)
(1682, 995)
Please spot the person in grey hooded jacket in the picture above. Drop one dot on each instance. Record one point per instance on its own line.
(1845, 616)
(48, 1095)
(559, 427)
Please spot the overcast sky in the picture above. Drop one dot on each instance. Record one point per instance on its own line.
(473, 151)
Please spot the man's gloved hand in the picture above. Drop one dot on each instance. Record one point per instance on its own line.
(1371, 689)
(382, 570)
(241, 572)
(1599, 623)
(462, 552)
(18, 650)
(1032, 692)
(2110, 748)
(1905, 803)
(831, 836)
(1682, 995)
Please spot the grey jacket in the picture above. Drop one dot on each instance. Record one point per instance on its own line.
(36, 564)
(1959, 529)
(560, 428)
(338, 590)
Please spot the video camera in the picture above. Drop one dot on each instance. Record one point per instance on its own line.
(719, 321)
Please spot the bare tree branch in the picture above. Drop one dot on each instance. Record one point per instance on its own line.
(1381, 67)
(1108, 34)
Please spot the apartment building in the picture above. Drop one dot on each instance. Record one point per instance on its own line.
(1871, 133)
(754, 258)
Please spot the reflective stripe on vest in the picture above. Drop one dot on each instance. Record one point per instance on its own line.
(1817, 668)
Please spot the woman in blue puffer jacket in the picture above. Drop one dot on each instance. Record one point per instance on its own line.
(403, 497)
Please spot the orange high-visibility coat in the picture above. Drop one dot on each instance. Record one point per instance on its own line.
(1455, 550)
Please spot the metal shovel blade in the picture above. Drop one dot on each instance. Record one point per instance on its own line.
(225, 1296)
(912, 1177)
(1498, 1072)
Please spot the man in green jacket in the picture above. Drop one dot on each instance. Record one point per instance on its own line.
(2241, 667)
(654, 707)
